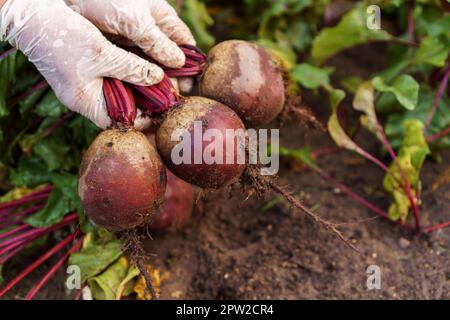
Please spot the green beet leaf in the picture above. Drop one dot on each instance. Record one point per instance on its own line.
(111, 284)
(432, 51)
(196, 16)
(312, 77)
(31, 172)
(351, 31)
(50, 106)
(405, 89)
(412, 154)
(97, 254)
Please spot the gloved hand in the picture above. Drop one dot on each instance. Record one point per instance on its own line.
(73, 55)
(152, 25)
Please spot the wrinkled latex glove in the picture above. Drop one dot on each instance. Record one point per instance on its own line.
(152, 25)
(73, 55)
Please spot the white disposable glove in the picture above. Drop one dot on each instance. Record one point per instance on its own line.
(152, 25)
(73, 55)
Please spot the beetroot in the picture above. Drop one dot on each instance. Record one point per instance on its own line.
(178, 200)
(177, 207)
(206, 114)
(122, 180)
(243, 76)
(180, 127)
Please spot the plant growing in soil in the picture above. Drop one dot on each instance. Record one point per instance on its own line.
(392, 105)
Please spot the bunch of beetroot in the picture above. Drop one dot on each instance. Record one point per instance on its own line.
(123, 177)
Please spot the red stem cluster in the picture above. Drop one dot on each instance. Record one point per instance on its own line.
(157, 99)
(36, 264)
(54, 269)
(17, 235)
(120, 103)
(122, 99)
(34, 196)
(195, 59)
(5, 54)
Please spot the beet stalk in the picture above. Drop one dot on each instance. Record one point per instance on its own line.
(53, 270)
(37, 263)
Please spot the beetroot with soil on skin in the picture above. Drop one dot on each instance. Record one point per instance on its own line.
(244, 76)
(122, 180)
(213, 115)
(178, 200)
(177, 207)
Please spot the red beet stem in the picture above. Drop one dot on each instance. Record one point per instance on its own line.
(125, 102)
(438, 98)
(158, 98)
(438, 135)
(41, 85)
(53, 270)
(437, 227)
(12, 253)
(120, 104)
(194, 57)
(193, 52)
(131, 99)
(155, 99)
(12, 218)
(37, 263)
(14, 231)
(149, 98)
(19, 243)
(40, 231)
(7, 53)
(34, 196)
(186, 72)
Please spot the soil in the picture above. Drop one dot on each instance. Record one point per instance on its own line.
(233, 249)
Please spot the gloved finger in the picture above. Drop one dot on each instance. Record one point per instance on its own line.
(88, 100)
(167, 19)
(118, 63)
(186, 84)
(98, 115)
(158, 46)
